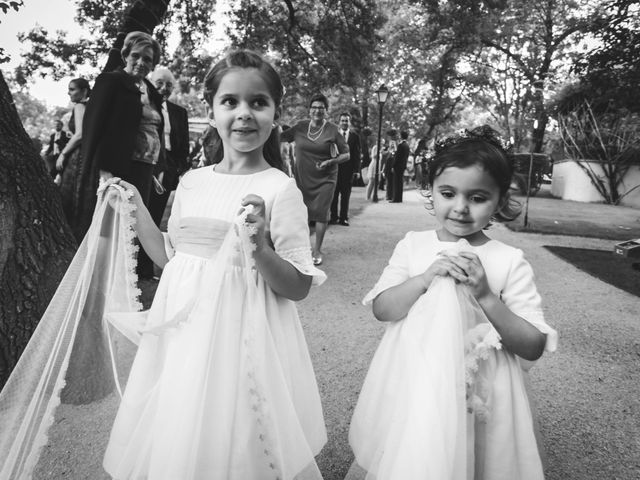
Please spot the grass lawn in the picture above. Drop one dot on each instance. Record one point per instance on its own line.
(548, 215)
(616, 270)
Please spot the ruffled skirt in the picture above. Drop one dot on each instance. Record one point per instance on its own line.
(442, 401)
(222, 385)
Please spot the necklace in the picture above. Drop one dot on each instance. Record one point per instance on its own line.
(315, 135)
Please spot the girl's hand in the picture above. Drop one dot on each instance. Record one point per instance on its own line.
(476, 277)
(130, 189)
(442, 267)
(256, 219)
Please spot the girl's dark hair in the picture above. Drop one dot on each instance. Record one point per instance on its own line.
(318, 97)
(492, 158)
(240, 59)
(82, 84)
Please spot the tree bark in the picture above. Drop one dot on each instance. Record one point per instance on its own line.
(36, 245)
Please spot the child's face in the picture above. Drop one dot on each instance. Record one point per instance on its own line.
(244, 112)
(463, 201)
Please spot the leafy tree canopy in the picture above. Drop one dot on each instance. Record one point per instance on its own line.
(610, 74)
(6, 6)
(54, 56)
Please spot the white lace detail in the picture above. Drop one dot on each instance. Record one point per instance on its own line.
(479, 341)
(127, 209)
(300, 256)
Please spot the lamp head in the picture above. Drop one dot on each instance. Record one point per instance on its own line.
(382, 93)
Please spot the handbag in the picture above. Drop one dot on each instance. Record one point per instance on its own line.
(333, 149)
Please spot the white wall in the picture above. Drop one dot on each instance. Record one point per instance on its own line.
(569, 182)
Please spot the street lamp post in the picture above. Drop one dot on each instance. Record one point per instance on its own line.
(382, 94)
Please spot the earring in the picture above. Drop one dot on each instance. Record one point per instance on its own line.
(273, 125)
(212, 122)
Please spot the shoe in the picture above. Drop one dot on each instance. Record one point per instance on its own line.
(317, 261)
(344, 223)
(333, 221)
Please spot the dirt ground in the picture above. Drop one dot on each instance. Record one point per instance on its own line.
(587, 393)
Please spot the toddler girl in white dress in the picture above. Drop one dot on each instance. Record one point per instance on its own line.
(444, 397)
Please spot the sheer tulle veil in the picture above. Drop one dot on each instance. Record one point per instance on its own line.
(85, 341)
(70, 356)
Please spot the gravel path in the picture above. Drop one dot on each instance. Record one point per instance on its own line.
(587, 393)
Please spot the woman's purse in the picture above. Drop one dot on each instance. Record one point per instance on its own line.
(333, 148)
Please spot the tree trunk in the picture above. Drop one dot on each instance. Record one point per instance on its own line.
(36, 245)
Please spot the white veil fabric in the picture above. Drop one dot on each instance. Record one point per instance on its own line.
(73, 353)
(442, 399)
(69, 357)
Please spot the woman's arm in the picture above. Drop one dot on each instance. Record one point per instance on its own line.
(78, 114)
(343, 157)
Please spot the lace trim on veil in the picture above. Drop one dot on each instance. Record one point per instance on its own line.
(32, 394)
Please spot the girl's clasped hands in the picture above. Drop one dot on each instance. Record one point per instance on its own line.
(465, 268)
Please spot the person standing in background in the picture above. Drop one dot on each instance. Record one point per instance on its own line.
(347, 173)
(123, 126)
(176, 143)
(399, 165)
(70, 163)
(319, 148)
(57, 141)
(387, 164)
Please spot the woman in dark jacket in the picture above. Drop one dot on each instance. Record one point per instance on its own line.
(123, 124)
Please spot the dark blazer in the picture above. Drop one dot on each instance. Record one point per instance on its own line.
(176, 159)
(62, 141)
(351, 166)
(111, 121)
(401, 157)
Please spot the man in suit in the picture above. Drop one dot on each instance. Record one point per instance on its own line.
(387, 163)
(57, 142)
(347, 172)
(176, 144)
(399, 165)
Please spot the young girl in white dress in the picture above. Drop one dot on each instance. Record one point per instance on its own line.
(222, 386)
(444, 397)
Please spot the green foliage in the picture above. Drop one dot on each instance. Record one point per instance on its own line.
(610, 74)
(5, 6)
(316, 45)
(53, 55)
